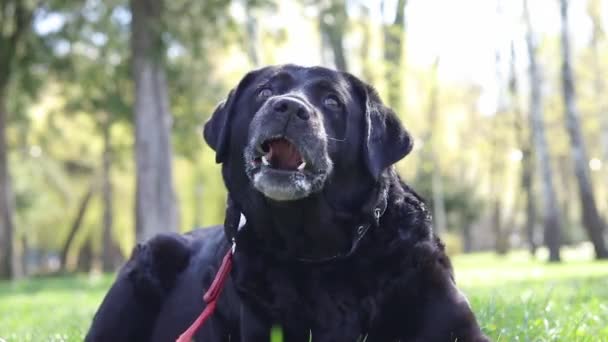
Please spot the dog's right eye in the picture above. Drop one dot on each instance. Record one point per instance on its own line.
(265, 93)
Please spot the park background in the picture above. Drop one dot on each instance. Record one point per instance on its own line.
(101, 112)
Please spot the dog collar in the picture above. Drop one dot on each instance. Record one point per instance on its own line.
(373, 211)
(378, 208)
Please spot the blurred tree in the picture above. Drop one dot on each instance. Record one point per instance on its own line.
(567, 200)
(394, 33)
(460, 202)
(524, 143)
(15, 23)
(94, 80)
(367, 68)
(252, 40)
(85, 253)
(497, 167)
(466, 182)
(590, 217)
(80, 130)
(598, 36)
(551, 218)
(439, 212)
(332, 24)
(199, 55)
(156, 204)
(76, 225)
(109, 253)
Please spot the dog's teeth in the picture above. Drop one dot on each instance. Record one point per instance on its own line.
(302, 166)
(265, 161)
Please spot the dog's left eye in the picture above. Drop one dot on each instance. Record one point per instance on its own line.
(332, 102)
(265, 93)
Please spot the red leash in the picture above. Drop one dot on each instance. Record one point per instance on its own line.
(210, 297)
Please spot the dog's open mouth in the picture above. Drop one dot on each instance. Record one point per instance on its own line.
(281, 154)
(286, 168)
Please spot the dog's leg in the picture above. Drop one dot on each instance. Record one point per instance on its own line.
(129, 309)
(448, 316)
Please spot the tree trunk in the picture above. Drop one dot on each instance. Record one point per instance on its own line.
(604, 116)
(76, 224)
(591, 218)
(439, 213)
(108, 256)
(525, 144)
(551, 219)
(527, 172)
(252, 39)
(18, 20)
(467, 239)
(495, 205)
(496, 160)
(393, 55)
(368, 66)
(6, 208)
(502, 238)
(156, 204)
(332, 22)
(566, 194)
(599, 84)
(25, 252)
(85, 256)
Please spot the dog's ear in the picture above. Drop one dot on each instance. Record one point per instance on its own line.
(385, 139)
(217, 128)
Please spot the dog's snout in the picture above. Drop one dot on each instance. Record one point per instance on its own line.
(285, 105)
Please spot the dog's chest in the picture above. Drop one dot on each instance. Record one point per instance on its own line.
(320, 299)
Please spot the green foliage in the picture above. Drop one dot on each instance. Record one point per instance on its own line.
(461, 202)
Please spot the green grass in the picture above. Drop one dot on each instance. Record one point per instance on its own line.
(515, 299)
(50, 309)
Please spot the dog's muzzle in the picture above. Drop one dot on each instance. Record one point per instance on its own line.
(286, 158)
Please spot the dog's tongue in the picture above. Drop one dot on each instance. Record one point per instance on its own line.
(283, 155)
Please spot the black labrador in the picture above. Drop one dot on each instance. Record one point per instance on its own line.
(335, 247)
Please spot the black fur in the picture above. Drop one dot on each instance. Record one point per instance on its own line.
(397, 286)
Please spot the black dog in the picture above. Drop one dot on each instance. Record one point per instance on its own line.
(335, 246)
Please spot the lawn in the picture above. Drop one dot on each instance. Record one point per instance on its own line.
(515, 298)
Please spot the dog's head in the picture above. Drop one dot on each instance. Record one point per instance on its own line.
(292, 130)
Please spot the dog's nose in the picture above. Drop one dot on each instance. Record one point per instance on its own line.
(285, 105)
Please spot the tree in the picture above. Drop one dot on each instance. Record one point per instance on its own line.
(393, 54)
(251, 37)
(599, 84)
(332, 23)
(96, 83)
(439, 212)
(527, 166)
(108, 252)
(76, 224)
(496, 160)
(551, 219)
(15, 24)
(364, 52)
(591, 219)
(156, 205)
